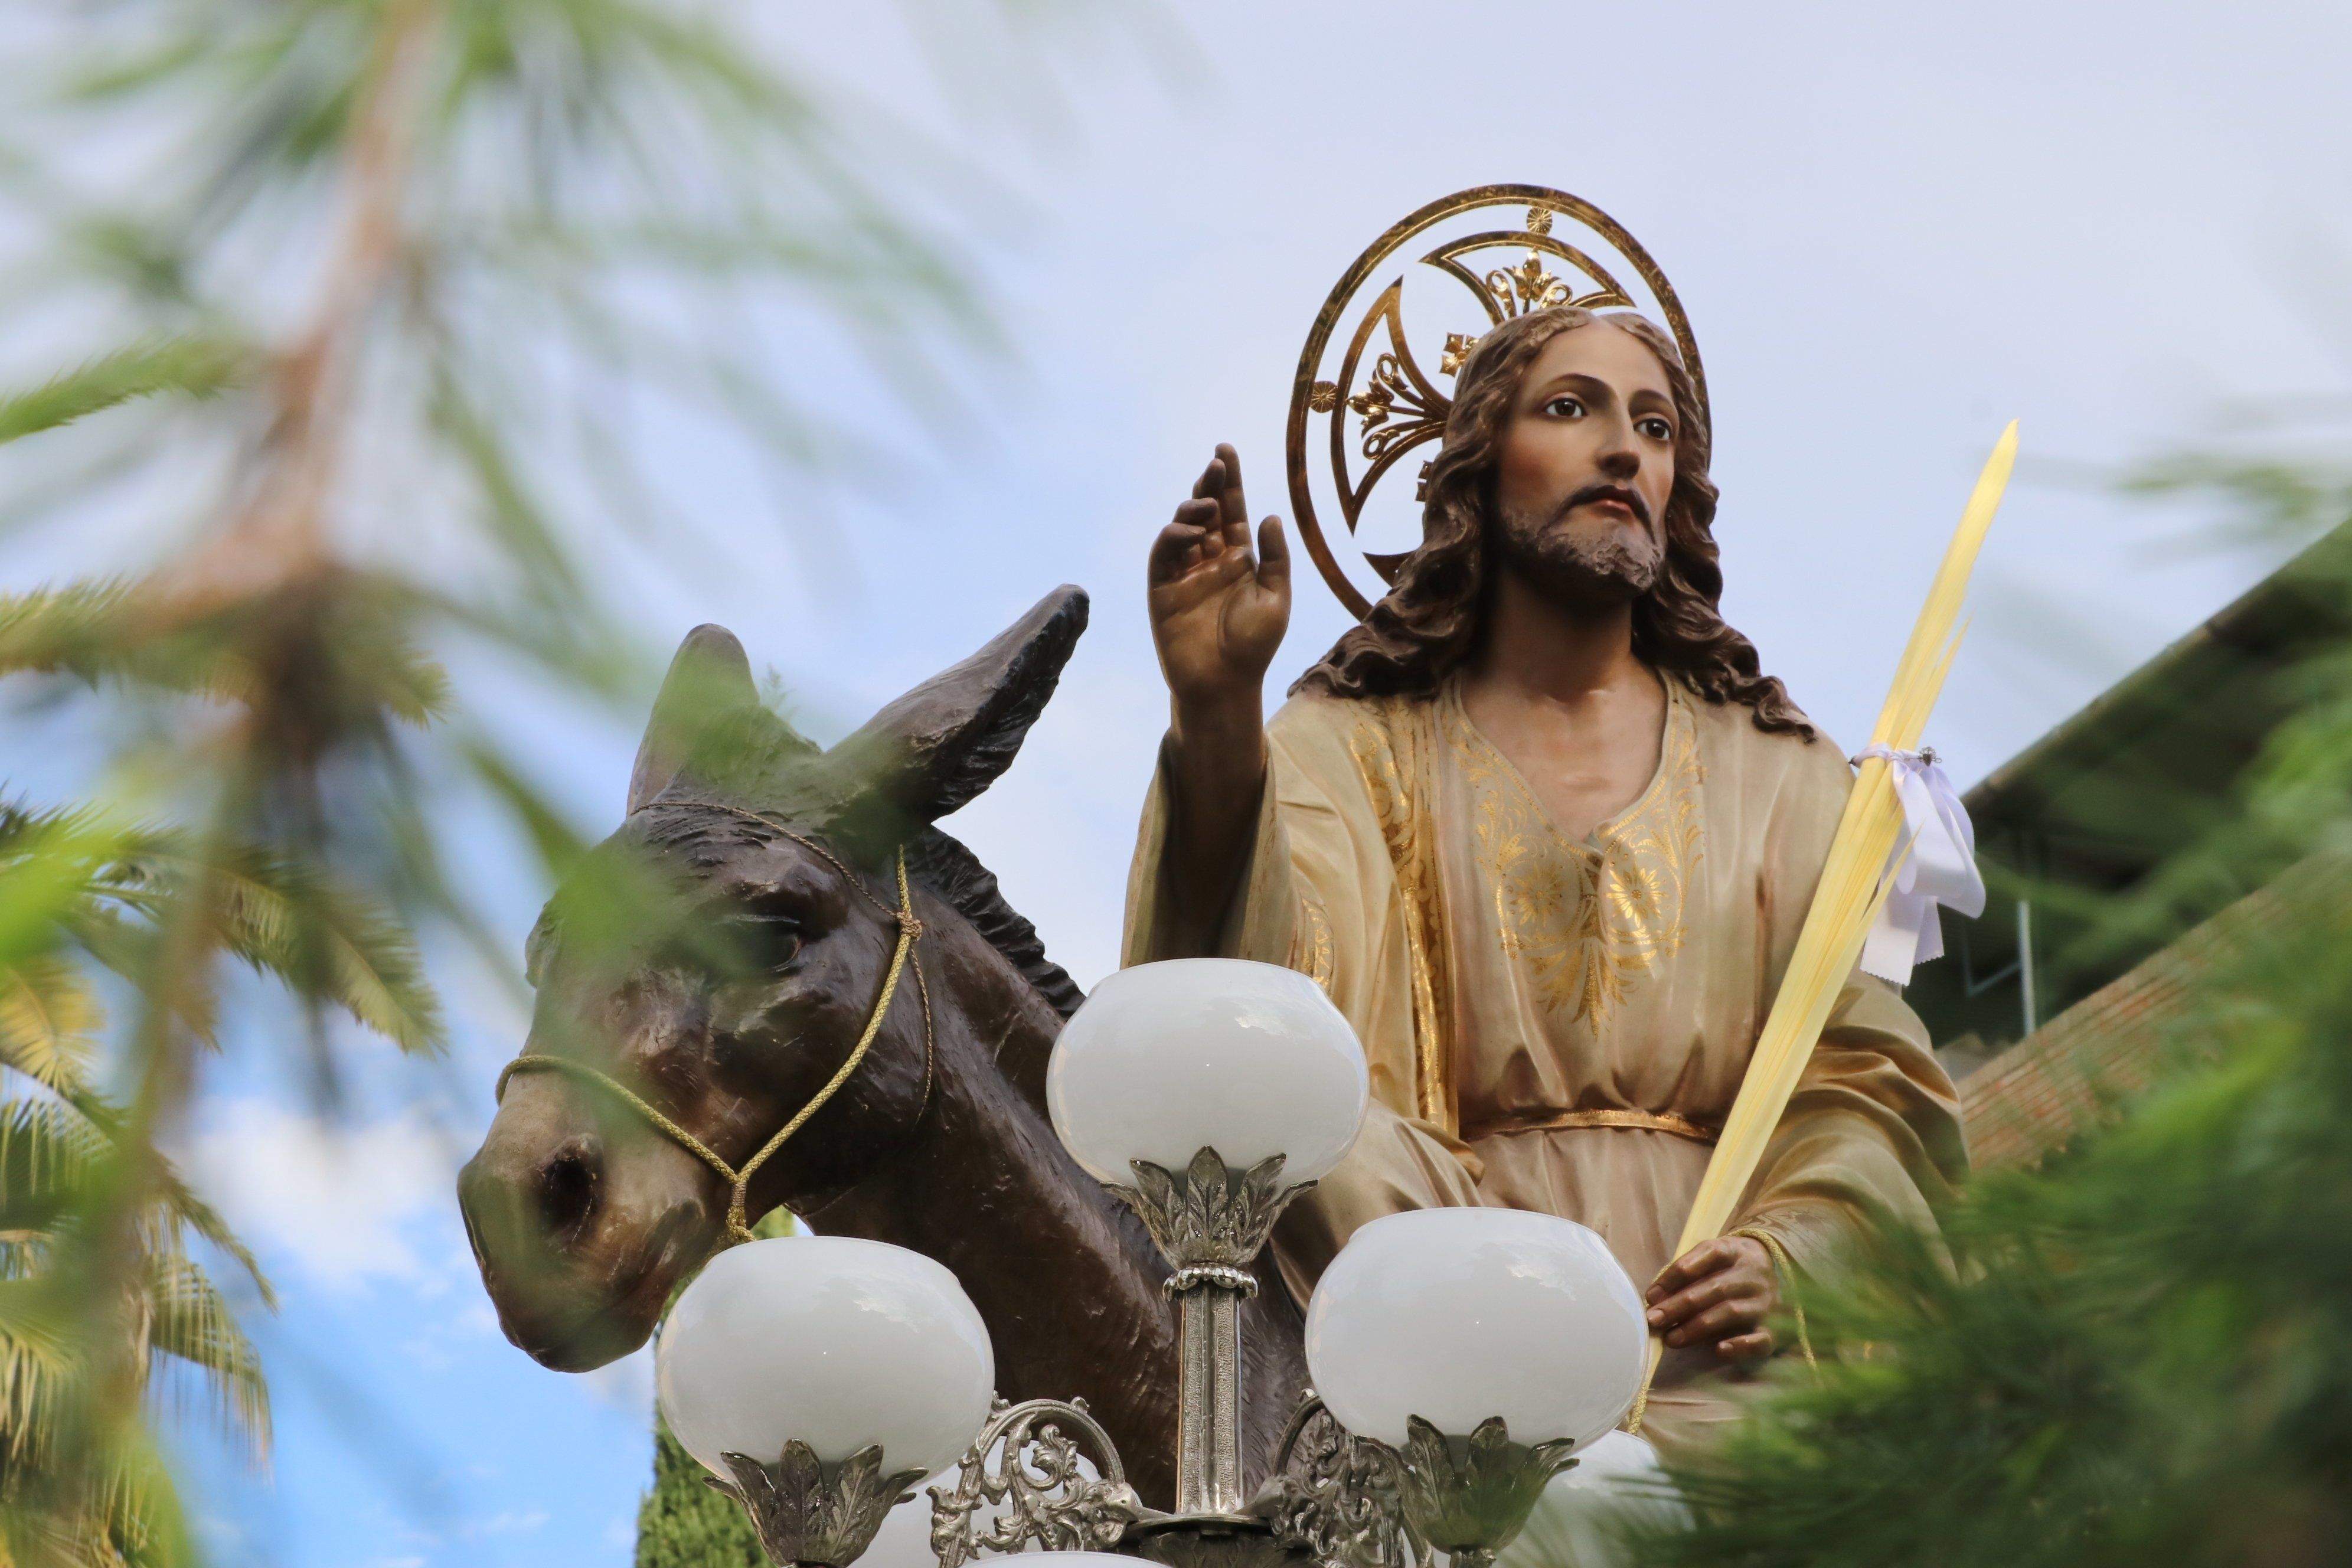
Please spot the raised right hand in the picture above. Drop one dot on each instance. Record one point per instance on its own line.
(1218, 613)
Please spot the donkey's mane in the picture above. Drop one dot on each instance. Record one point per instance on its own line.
(939, 862)
(955, 874)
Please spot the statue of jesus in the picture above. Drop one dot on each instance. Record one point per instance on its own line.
(1546, 833)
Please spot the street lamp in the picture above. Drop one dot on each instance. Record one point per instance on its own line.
(1466, 1354)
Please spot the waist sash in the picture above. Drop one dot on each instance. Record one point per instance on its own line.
(1641, 1121)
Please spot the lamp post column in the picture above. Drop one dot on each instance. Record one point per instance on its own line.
(1208, 1419)
(1210, 1222)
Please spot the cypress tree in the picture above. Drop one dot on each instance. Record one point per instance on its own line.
(683, 1523)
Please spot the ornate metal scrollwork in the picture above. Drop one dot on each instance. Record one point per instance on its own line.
(1210, 1222)
(1357, 1503)
(1035, 1473)
(1334, 1495)
(807, 1511)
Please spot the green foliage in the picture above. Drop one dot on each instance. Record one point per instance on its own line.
(353, 291)
(682, 1523)
(332, 942)
(2145, 1355)
(75, 1486)
(152, 638)
(189, 367)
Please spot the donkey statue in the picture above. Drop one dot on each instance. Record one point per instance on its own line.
(584, 1218)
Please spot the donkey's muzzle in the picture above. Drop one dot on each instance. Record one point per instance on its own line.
(579, 1242)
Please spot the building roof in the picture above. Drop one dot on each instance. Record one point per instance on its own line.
(2114, 795)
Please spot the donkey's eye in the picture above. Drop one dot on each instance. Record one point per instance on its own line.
(763, 940)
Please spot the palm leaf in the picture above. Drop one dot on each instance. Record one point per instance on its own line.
(48, 865)
(39, 1366)
(172, 1203)
(50, 1154)
(116, 1508)
(125, 948)
(330, 942)
(48, 1017)
(111, 629)
(288, 918)
(361, 656)
(190, 1323)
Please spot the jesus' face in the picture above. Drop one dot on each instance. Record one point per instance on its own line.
(1585, 468)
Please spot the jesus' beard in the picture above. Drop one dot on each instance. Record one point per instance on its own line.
(1576, 566)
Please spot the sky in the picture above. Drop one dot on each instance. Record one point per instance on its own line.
(1894, 229)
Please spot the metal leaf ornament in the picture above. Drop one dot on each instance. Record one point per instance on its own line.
(1211, 1217)
(807, 1512)
(1469, 1497)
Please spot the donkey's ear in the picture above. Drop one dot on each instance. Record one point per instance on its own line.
(946, 741)
(708, 690)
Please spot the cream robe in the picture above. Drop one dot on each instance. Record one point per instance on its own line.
(1500, 974)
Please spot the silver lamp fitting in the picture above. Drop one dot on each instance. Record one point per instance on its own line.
(811, 1514)
(1470, 1497)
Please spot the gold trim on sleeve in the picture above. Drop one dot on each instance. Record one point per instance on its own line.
(1787, 1268)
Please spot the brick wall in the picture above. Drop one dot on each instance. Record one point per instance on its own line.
(2038, 1093)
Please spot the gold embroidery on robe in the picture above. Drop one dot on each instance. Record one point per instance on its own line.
(1589, 918)
(1310, 942)
(1400, 789)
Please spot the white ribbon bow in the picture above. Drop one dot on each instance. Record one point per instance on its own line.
(1934, 863)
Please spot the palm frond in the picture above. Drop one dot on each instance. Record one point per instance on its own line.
(107, 629)
(54, 1153)
(330, 942)
(48, 1016)
(40, 1361)
(287, 917)
(50, 1154)
(48, 867)
(190, 1323)
(125, 948)
(172, 1205)
(351, 634)
(115, 1507)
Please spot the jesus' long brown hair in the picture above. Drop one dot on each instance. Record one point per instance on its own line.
(1428, 622)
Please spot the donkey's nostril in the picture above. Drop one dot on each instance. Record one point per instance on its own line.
(567, 1189)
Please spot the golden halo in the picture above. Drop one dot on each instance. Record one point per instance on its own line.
(1399, 406)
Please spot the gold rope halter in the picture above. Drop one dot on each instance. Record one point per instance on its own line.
(740, 1181)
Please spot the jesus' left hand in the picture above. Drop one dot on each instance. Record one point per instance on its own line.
(1719, 1292)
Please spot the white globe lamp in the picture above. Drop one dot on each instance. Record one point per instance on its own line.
(1459, 1315)
(830, 1342)
(1166, 1059)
